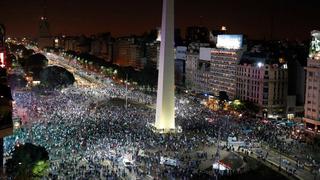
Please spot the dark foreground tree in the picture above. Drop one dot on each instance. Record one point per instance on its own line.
(28, 161)
(56, 76)
(16, 81)
(35, 64)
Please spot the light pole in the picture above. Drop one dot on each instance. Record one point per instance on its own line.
(217, 156)
(126, 91)
(280, 158)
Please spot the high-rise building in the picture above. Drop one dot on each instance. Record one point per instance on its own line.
(101, 46)
(2, 46)
(127, 51)
(263, 83)
(152, 53)
(312, 97)
(180, 65)
(5, 97)
(6, 126)
(296, 88)
(223, 71)
(44, 37)
(215, 69)
(191, 67)
(197, 34)
(70, 43)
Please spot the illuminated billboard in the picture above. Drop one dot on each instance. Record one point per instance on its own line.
(2, 64)
(229, 41)
(315, 45)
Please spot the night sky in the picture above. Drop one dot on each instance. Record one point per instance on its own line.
(293, 19)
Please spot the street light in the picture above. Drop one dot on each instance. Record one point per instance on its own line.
(126, 91)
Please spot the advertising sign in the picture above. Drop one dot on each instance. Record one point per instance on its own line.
(229, 41)
(2, 63)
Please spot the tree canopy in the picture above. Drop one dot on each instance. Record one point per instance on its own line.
(17, 81)
(56, 76)
(25, 159)
(34, 64)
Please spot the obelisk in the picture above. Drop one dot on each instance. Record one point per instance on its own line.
(165, 94)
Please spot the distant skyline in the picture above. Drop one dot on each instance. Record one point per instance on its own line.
(293, 19)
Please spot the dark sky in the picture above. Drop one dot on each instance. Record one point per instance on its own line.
(291, 18)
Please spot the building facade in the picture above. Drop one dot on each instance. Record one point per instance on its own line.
(2, 46)
(152, 53)
(222, 68)
(213, 70)
(5, 96)
(266, 85)
(191, 71)
(180, 65)
(128, 52)
(44, 38)
(312, 97)
(101, 46)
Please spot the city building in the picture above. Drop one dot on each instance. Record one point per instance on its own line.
(180, 65)
(44, 37)
(127, 51)
(312, 97)
(296, 89)
(152, 52)
(191, 70)
(101, 46)
(2, 46)
(70, 43)
(214, 70)
(79, 44)
(5, 96)
(262, 82)
(197, 34)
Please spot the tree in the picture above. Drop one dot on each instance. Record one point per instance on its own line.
(35, 64)
(17, 81)
(237, 105)
(56, 76)
(223, 98)
(26, 53)
(251, 107)
(24, 159)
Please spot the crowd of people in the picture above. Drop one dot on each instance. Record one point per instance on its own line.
(90, 133)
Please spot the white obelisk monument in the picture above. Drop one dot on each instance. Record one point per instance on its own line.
(165, 95)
